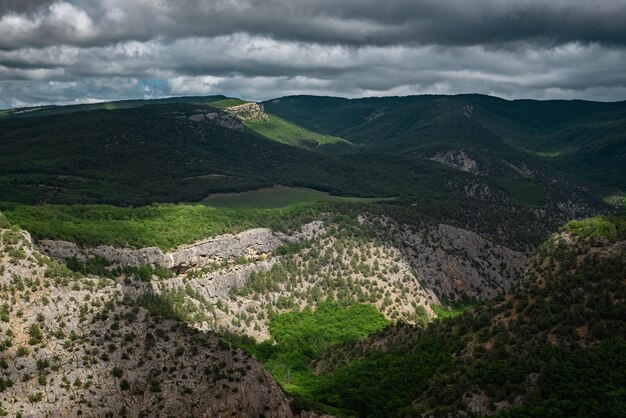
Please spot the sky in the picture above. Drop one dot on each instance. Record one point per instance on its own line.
(80, 51)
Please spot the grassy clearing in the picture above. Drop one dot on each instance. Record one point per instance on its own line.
(222, 104)
(161, 225)
(617, 200)
(445, 312)
(278, 197)
(278, 129)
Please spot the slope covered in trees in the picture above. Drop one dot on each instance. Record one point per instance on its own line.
(552, 347)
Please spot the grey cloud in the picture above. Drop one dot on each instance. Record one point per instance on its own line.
(22, 6)
(64, 51)
(348, 22)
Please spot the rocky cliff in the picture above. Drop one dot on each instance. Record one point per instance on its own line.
(248, 244)
(455, 263)
(73, 345)
(233, 282)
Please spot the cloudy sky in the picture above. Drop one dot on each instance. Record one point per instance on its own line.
(65, 51)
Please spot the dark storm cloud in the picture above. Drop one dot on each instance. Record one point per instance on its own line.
(350, 22)
(62, 51)
(21, 6)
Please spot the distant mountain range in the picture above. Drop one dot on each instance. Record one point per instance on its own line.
(459, 153)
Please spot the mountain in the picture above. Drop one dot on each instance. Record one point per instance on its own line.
(552, 346)
(173, 153)
(442, 156)
(74, 345)
(343, 321)
(529, 136)
(309, 256)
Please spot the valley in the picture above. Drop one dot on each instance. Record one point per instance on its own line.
(313, 256)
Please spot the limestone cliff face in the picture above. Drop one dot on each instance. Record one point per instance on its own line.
(402, 273)
(250, 243)
(454, 262)
(245, 110)
(215, 286)
(80, 346)
(457, 159)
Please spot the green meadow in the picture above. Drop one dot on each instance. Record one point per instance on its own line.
(278, 197)
(280, 130)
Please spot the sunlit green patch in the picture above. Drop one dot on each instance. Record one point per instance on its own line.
(222, 104)
(600, 226)
(616, 199)
(160, 225)
(278, 129)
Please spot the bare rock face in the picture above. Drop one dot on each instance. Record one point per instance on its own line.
(455, 262)
(247, 243)
(224, 119)
(216, 285)
(61, 250)
(457, 159)
(246, 109)
(79, 346)
(250, 243)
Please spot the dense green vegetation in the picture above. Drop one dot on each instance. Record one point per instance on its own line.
(555, 341)
(580, 384)
(136, 153)
(583, 139)
(155, 153)
(385, 382)
(563, 325)
(298, 337)
(142, 152)
(165, 226)
(598, 227)
(276, 197)
(376, 386)
(30, 112)
(452, 311)
(522, 191)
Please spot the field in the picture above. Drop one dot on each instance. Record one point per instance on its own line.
(278, 197)
(222, 104)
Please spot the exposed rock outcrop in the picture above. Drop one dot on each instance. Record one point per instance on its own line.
(250, 243)
(457, 159)
(79, 346)
(225, 119)
(214, 286)
(455, 262)
(246, 109)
